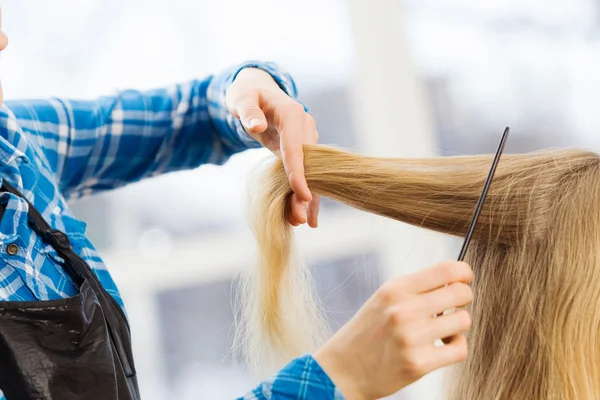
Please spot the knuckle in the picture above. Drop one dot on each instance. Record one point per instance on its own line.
(298, 108)
(457, 350)
(232, 90)
(463, 270)
(294, 107)
(414, 366)
(464, 319)
(404, 339)
(289, 151)
(462, 293)
(249, 107)
(448, 270)
(235, 94)
(398, 318)
(385, 294)
(462, 351)
(399, 287)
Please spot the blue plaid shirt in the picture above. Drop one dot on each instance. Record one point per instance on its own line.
(56, 150)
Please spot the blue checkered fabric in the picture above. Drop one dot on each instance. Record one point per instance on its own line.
(56, 150)
(302, 379)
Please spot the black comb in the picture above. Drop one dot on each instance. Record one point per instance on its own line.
(483, 196)
(481, 201)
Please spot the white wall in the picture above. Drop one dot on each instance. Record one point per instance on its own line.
(395, 121)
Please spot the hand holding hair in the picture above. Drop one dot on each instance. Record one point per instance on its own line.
(281, 124)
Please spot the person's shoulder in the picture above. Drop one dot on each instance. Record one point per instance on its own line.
(10, 128)
(19, 122)
(34, 110)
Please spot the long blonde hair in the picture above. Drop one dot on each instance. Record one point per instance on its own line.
(535, 255)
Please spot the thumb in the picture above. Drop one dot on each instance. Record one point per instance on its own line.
(252, 117)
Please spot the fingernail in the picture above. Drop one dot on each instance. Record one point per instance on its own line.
(304, 213)
(254, 122)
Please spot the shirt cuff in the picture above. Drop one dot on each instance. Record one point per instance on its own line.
(225, 123)
(302, 379)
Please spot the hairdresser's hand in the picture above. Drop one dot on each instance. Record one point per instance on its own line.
(390, 341)
(278, 122)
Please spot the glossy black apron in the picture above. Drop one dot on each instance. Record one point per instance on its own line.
(74, 348)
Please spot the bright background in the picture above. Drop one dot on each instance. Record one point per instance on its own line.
(388, 78)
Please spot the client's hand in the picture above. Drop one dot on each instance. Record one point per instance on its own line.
(390, 341)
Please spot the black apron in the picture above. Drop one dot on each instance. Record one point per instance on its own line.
(74, 348)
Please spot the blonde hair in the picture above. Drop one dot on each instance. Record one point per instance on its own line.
(535, 255)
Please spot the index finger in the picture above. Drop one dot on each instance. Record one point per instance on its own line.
(438, 276)
(291, 141)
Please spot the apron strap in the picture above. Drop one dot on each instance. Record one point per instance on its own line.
(79, 271)
(59, 241)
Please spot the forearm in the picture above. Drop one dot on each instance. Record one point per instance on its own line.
(302, 379)
(143, 134)
(114, 140)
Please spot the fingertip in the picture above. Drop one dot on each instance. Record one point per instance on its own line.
(299, 210)
(467, 271)
(304, 193)
(313, 211)
(258, 125)
(292, 220)
(300, 187)
(463, 264)
(255, 125)
(456, 271)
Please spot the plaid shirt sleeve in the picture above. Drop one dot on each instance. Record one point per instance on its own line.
(115, 140)
(302, 379)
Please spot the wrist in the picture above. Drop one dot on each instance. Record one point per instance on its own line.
(255, 74)
(340, 373)
(273, 71)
